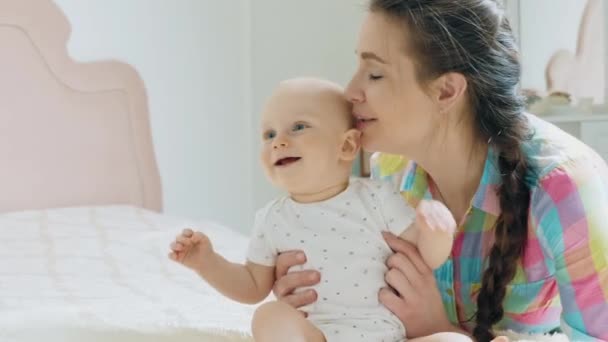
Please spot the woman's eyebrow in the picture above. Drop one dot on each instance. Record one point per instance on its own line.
(371, 56)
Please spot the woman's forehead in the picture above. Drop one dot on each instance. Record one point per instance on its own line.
(382, 36)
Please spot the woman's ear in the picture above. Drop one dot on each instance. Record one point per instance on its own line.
(449, 89)
(351, 145)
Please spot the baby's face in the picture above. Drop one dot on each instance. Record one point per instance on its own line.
(303, 132)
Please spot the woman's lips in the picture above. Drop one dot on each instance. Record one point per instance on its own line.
(363, 123)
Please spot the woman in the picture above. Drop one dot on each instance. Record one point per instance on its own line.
(437, 83)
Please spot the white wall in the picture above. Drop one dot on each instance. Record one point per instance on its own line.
(208, 67)
(545, 27)
(292, 38)
(193, 56)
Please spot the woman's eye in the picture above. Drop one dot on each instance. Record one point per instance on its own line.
(375, 77)
(270, 135)
(299, 127)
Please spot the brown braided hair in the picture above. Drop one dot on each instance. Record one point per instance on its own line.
(473, 38)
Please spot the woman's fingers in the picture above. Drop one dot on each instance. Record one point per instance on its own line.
(393, 302)
(409, 250)
(400, 283)
(404, 274)
(286, 260)
(297, 300)
(285, 285)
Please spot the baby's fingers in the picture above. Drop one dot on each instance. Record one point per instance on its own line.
(425, 215)
(501, 339)
(176, 256)
(445, 220)
(199, 237)
(186, 241)
(177, 247)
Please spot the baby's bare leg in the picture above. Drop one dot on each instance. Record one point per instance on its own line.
(277, 321)
(443, 337)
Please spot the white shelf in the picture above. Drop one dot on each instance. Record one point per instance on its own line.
(559, 118)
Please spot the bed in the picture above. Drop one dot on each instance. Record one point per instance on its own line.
(84, 240)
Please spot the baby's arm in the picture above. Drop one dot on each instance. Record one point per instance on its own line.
(248, 284)
(432, 232)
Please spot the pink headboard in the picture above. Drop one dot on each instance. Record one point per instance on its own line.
(71, 134)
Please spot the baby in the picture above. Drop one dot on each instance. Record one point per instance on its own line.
(309, 145)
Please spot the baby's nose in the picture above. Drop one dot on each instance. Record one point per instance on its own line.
(280, 144)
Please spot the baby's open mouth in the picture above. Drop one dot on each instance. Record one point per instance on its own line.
(286, 161)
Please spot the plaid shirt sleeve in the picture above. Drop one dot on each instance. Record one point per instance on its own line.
(569, 208)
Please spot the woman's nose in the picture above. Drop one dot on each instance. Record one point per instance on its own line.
(353, 93)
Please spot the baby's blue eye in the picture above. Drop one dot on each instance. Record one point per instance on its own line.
(270, 135)
(299, 127)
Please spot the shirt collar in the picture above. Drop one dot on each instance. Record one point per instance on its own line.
(415, 185)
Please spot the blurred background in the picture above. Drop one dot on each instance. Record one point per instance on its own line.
(209, 65)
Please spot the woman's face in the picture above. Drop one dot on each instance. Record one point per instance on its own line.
(394, 112)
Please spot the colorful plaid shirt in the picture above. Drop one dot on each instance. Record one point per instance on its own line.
(561, 281)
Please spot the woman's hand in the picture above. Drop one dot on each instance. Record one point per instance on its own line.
(285, 283)
(414, 297)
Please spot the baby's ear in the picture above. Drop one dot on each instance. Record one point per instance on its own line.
(351, 145)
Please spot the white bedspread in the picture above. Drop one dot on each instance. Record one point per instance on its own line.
(106, 268)
(102, 274)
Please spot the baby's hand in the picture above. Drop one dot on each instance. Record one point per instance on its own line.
(191, 249)
(501, 339)
(433, 216)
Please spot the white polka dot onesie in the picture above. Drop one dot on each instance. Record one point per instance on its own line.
(342, 240)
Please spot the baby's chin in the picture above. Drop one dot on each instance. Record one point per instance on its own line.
(308, 180)
(316, 185)
(296, 186)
